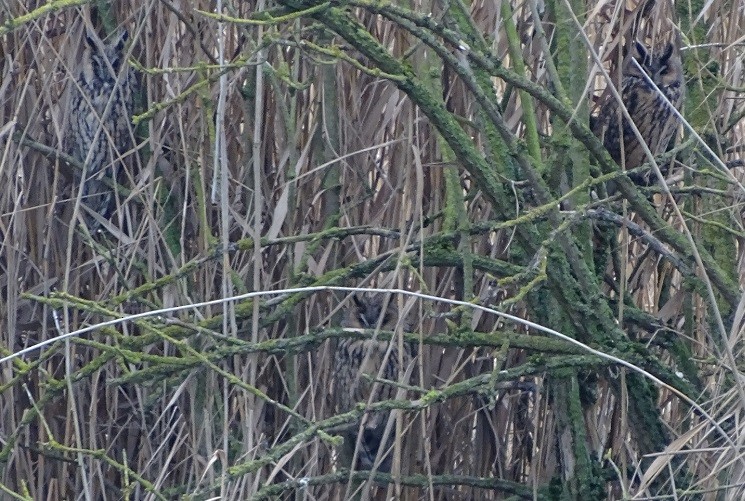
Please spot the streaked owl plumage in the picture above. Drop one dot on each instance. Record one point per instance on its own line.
(652, 115)
(355, 357)
(101, 117)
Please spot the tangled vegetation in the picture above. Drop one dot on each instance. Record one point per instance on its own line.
(573, 341)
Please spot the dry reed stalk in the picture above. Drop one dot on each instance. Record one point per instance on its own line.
(353, 178)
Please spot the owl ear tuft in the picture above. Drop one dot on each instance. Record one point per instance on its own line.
(358, 300)
(120, 39)
(667, 54)
(640, 51)
(90, 38)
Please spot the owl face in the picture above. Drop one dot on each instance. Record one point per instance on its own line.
(367, 313)
(101, 59)
(664, 69)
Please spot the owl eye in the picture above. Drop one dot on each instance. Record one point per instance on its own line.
(666, 55)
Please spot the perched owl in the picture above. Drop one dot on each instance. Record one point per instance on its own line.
(101, 117)
(355, 357)
(652, 115)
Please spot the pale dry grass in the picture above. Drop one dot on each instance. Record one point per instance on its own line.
(348, 182)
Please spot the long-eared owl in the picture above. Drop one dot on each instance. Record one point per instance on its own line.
(357, 361)
(651, 114)
(101, 116)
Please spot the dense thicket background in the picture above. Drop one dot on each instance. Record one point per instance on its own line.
(435, 147)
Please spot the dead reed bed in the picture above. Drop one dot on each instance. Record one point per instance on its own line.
(571, 344)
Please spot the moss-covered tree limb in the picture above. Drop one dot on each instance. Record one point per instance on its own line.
(580, 131)
(574, 284)
(343, 475)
